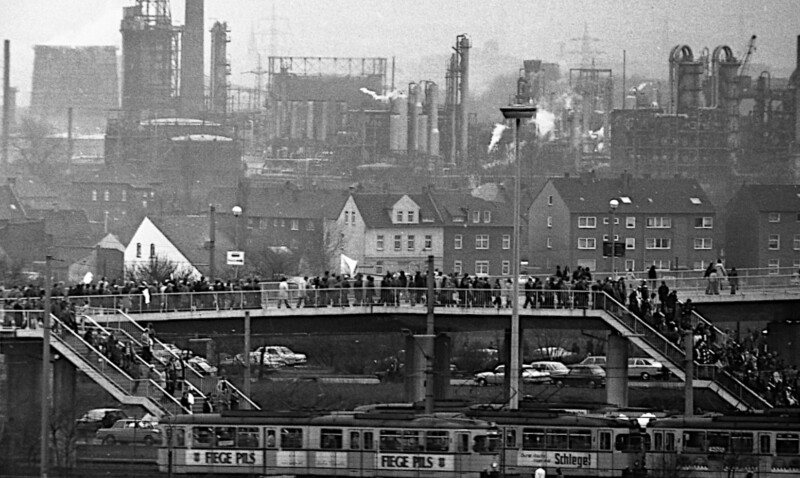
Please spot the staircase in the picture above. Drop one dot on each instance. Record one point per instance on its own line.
(145, 392)
(673, 357)
(202, 386)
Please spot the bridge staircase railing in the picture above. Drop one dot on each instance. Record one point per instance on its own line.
(746, 397)
(96, 364)
(203, 385)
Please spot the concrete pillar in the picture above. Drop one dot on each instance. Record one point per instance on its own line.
(442, 349)
(415, 370)
(310, 121)
(293, 119)
(322, 133)
(23, 382)
(617, 370)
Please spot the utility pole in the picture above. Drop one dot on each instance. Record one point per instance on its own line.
(429, 342)
(212, 239)
(46, 392)
(246, 354)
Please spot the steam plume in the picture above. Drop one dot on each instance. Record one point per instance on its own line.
(497, 133)
(392, 95)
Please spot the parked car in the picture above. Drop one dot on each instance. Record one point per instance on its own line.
(498, 376)
(280, 354)
(97, 418)
(555, 369)
(130, 430)
(594, 360)
(646, 368)
(558, 354)
(592, 375)
(203, 365)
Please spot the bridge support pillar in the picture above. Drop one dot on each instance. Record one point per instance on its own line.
(617, 370)
(418, 349)
(442, 348)
(506, 359)
(22, 382)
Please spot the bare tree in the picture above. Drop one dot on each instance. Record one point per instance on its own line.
(157, 270)
(36, 147)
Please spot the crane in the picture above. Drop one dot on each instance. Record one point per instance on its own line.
(751, 48)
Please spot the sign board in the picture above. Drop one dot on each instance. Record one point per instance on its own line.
(235, 258)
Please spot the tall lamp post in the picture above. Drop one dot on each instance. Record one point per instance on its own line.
(518, 113)
(237, 211)
(613, 205)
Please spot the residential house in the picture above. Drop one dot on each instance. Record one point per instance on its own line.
(183, 241)
(389, 232)
(763, 228)
(669, 223)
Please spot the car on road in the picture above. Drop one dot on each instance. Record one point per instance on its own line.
(97, 418)
(594, 360)
(592, 375)
(555, 369)
(279, 354)
(646, 368)
(201, 364)
(130, 430)
(498, 375)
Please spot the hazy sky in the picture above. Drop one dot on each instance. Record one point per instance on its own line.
(416, 29)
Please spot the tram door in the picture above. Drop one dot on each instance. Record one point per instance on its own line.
(607, 460)
(361, 449)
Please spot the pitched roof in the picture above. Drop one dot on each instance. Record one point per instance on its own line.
(375, 209)
(10, 207)
(774, 197)
(110, 241)
(190, 234)
(290, 202)
(452, 204)
(635, 195)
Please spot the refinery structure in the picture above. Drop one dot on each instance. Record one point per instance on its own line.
(178, 130)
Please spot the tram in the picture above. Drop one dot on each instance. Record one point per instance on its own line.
(246, 443)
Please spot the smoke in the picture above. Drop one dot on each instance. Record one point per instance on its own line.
(497, 133)
(392, 95)
(545, 123)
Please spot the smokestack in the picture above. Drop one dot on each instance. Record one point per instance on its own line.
(411, 139)
(192, 59)
(797, 98)
(433, 118)
(463, 47)
(6, 98)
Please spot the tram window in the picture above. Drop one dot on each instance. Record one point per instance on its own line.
(633, 442)
(202, 437)
(764, 444)
(270, 438)
(355, 440)
(580, 440)
(669, 444)
(605, 440)
(225, 436)
(511, 438)
(787, 444)
(390, 440)
(742, 442)
(532, 439)
(369, 438)
(694, 441)
(659, 441)
(718, 442)
(556, 439)
(291, 438)
(331, 438)
(180, 437)
(436, 440)
(463, 442)
(247, 437)
(411, 441)
(481, 443)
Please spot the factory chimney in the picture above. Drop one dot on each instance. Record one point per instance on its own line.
(463, 48)
(6, 99)
(796, 76)
(191, 91)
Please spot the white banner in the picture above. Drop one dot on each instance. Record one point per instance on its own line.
(224, 457)
(561, 459)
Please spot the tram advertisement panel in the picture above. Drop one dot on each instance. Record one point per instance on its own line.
(399, 461)
(562, 459)
(330, 459)
(224, 457)
(291, 459)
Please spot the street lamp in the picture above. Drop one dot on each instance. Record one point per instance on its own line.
(613, 205)
(518, 113)
(237, 211)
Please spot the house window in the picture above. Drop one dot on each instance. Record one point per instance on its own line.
(587, 222)
(379, 267)
(296, 224)
(410, 216)
(630, 265)
(263, 223)
(398, 243)
(774, 265)
(457, 267)
(482, 241)
(252, 222)
(798, 217)
(630, 243)
(796, 242)
(506, 241)
(94, 194)
(774, 217)
(506, 268)
(549, 221)
(124, 195)
(428, 243)
(309, 225)
(283, 222)
(346, 218)
(662, 265)
(630, 222)
(659, 222)
(399, 216)
(457, 241)
(605, 220)
(138, 250)
(481, 267)
(476, 216)
(144, 204)
(275, 222)
(410, 242)
(550, 200)
(379, 242)
(703, 222)
(657, 243)
(702, 243)
(587, 243)
(152, 251)
(106, 195)
(605, 237)
(549, 243)
(774, 242)
(487, 216)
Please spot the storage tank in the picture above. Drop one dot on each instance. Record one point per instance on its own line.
(398, 125)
